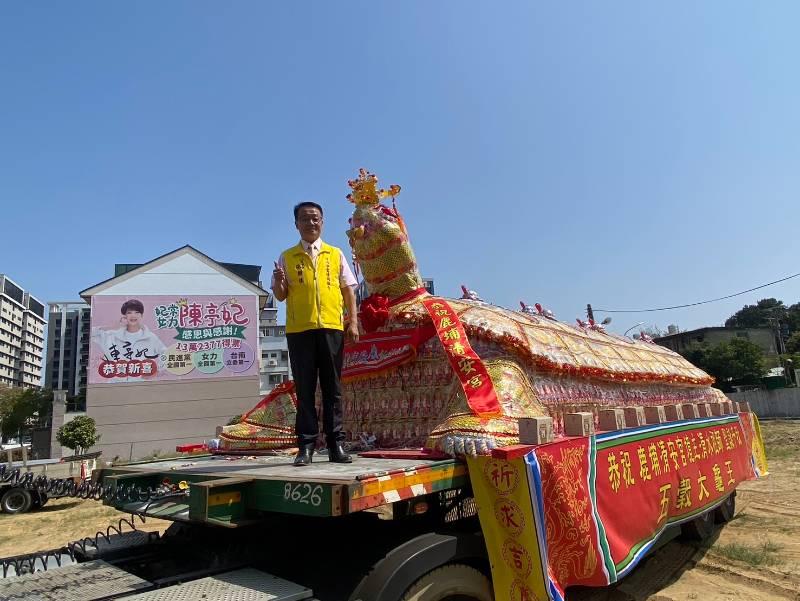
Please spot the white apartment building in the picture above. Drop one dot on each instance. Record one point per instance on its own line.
(22, 325)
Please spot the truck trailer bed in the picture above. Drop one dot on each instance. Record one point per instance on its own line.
(234, 490)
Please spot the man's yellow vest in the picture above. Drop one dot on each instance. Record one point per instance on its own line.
(315, 296)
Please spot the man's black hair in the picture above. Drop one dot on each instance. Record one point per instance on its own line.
(306, 204)
(132, 305)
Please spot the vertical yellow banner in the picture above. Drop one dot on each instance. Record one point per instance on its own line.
(505, 510)
(759, 453)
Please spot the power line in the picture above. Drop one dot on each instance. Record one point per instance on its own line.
(705, 302)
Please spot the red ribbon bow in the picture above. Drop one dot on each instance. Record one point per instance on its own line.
(374, 312)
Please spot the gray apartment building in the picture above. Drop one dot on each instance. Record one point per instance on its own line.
(22, 325)
(274, 348)
(67, 347)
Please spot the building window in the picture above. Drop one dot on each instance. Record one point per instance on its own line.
(76, 404)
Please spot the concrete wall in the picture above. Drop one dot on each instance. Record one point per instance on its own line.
(59, 411)
(763, 337)
(781, 402)
(136, 420)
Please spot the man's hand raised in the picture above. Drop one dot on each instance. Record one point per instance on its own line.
(279, 274)
(280, 286)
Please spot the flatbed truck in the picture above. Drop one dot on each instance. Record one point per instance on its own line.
(391, 526)
(19, 499)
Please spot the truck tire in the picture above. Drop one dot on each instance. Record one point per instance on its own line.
(16, 500)
(393, 577)
(38, 500)
(700, 528)
(725, 512)
(453, 582)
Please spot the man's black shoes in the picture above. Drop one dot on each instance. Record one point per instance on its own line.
(304, 455)
(336, 454)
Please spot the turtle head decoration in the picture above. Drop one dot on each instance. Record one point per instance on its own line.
(379, 239)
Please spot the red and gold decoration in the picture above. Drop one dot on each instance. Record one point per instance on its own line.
(374, 312)
(597, 504)
(519, 567)
(471, 372)
(268, 425)
(674, 473)
(379, 239)
(379, 352)
(572, 551)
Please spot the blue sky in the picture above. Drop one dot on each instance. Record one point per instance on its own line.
(624, 154)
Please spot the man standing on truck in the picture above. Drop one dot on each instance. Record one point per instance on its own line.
(317, 283)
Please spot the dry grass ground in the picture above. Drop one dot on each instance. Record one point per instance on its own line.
(59, 522)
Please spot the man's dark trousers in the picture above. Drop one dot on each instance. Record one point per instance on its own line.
(317, 353)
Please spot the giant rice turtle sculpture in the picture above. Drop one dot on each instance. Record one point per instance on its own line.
(455, 375)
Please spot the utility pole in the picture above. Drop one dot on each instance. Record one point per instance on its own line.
(589, 312)
(781, 346)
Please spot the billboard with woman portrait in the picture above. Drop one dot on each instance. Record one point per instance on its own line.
(162, 338)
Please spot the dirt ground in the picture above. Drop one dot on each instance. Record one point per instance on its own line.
(59, 522)
(755, 557)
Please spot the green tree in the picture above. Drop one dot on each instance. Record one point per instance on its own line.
(697, 354)
(758, 315)
(791, 362)
(79, 434)
(793, 317)
(737, 361)
(21, 409)
(793, 344)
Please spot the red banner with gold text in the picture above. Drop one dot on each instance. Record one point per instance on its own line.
(597, 504)
(471, 372)
(650, 477)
